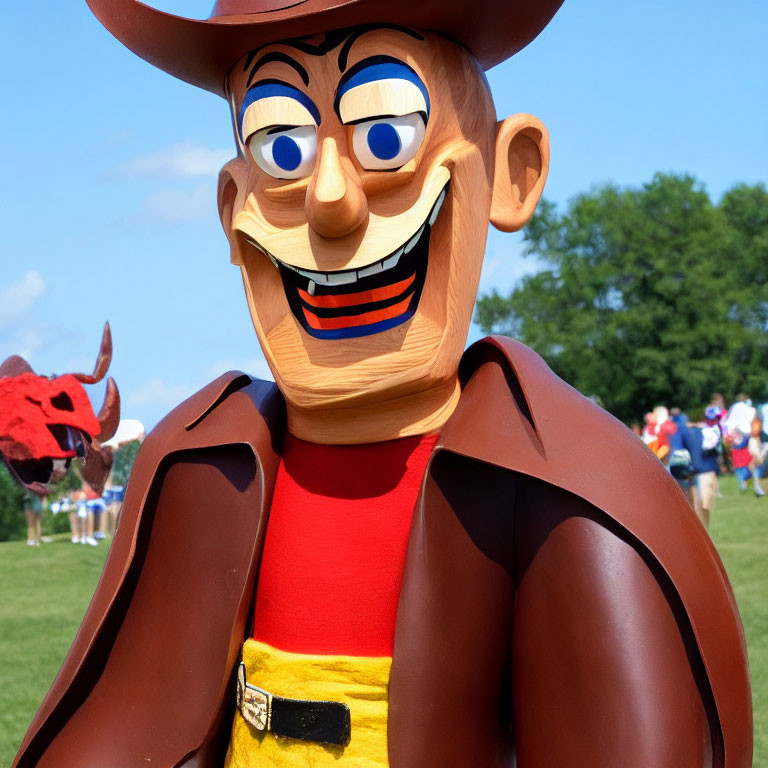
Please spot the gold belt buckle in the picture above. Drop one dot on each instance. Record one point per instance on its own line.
(255, 705)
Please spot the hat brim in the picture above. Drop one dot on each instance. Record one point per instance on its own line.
(202, 52)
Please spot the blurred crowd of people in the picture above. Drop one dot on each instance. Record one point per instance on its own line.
(92, 516)
(696, 453)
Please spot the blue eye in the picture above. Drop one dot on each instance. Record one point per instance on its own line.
(285, 154)
(383, 144)
(384, 141)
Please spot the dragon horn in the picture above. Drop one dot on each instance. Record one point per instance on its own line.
(109, 415)
(14, 366)
(102, 362)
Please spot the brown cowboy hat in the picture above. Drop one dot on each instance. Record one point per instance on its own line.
(202, 52)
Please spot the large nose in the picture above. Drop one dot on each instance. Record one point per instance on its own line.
(335, 204)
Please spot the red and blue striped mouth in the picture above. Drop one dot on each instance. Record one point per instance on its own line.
(352, 303)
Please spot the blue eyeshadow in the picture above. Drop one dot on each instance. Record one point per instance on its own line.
(267, 88)
(379, 68)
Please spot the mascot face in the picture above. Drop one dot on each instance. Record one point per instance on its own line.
(358, 209)
(42, 417)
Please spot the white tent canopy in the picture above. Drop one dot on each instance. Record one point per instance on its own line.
(129, 430)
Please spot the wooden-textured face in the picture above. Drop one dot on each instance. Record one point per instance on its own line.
(358, 211)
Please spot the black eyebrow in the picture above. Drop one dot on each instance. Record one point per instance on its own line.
(282, 57)
(358, 32)
(333, 39)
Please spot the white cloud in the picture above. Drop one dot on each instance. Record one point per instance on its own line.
(27, 343)
(255, 366)
(178, 161)
(157, 393)
(18, 298)
(176, 206)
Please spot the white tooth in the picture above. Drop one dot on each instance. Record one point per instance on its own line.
(370, 270)
(436, 209)
(320, 277)
(274, 261)
(391, 261)
(411, 244)
(304, 273)
(311, 289)
(341, 278)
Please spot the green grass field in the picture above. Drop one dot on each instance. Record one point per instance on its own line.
(45, 592)
(740, 531)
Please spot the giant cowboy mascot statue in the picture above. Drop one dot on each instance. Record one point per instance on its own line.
(400, 555)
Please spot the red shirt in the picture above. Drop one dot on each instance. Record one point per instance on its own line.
(335, 547)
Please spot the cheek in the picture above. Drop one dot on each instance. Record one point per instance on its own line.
(458, 242)
(473, 193)
(285, 212)
(266, 297)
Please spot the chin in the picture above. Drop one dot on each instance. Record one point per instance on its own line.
(317, 374)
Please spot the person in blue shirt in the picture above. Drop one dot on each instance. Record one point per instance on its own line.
(701, 444)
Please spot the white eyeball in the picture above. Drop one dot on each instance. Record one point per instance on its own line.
(388, 142)
(285, 153)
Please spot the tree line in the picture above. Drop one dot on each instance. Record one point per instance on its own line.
(647, 295)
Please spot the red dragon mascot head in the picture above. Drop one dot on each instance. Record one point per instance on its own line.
(46, 422)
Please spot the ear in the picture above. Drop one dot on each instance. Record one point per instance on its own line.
(521, 167)
(231, 197)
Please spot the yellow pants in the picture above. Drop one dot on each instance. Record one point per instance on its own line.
(360, 683)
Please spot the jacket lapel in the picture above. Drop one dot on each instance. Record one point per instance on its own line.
(191, 531)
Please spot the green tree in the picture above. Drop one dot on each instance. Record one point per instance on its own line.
(123, 462)
(647, 296)
(12, 521)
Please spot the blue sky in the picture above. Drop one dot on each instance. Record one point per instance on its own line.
(109, 171)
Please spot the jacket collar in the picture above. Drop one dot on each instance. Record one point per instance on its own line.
(472, 429)
(514, 413)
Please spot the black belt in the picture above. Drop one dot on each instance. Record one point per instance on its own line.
(324, 722)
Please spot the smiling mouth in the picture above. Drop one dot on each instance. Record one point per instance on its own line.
(347, 304)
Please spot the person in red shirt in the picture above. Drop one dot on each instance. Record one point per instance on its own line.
(85, 514)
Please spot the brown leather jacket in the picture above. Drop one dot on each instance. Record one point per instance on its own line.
(557, 585)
